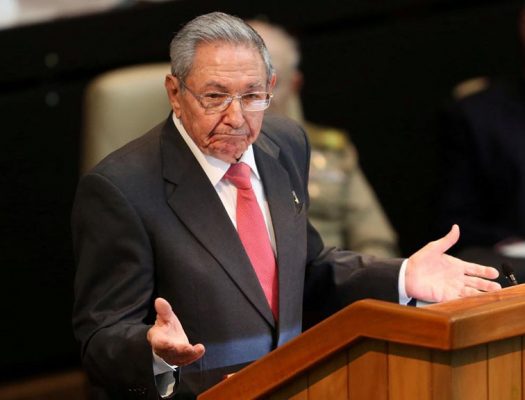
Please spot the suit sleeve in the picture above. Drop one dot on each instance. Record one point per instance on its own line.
(113, 289)
(337, 278)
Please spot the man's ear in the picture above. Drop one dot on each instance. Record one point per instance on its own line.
(273, 81)
(172, 85)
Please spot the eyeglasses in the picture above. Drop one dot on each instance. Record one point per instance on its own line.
(215, 102)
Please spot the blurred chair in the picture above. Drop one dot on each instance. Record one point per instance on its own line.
(469, 87)
(120, 105)
(57, 386)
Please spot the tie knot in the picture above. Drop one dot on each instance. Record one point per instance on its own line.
(239, 175)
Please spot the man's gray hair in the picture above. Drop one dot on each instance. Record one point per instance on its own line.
(210, 28)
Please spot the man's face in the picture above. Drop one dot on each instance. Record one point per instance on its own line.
(224, 68)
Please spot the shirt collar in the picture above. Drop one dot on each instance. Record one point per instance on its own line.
(213, 167)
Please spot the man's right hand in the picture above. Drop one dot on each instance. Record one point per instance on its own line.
(168, 339)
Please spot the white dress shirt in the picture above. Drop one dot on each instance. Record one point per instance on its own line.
(215, 169)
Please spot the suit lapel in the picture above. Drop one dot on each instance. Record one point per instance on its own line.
(194, 200)
(279, 195)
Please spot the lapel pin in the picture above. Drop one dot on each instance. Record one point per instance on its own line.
(295, 199)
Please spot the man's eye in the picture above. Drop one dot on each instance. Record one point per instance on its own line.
(254, 96)
(215, 96)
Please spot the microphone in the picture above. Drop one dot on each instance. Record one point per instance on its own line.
(509, 273)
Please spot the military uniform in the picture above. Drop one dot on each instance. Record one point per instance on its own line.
(344, 208)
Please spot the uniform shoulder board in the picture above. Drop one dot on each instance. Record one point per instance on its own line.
(326, 137)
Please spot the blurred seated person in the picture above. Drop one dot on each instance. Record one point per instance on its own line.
(483, 148)
(343, 208)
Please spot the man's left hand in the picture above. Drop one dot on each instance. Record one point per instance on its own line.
(433, 276)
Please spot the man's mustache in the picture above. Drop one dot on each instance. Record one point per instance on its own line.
(230, 133)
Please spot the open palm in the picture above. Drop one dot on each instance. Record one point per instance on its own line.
(168, 339)
(432, 275)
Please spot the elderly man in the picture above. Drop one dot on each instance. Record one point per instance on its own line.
(194, 253)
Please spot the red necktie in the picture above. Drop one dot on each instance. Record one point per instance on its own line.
(253, 233)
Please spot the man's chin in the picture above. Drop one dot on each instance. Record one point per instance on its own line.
(227, 154)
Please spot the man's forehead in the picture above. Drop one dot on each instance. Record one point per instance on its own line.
(219, 62)
(222, 51)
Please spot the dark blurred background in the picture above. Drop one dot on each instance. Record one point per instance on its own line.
(380, 70)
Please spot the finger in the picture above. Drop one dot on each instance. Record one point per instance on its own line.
(469, 292)
(193, 355)
(182, 354)
(174, 349)
(481, 284)
(473, 269)
(165, 314)
(449, 240)
(163, 309)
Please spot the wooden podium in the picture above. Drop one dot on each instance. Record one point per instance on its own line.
(372, 350)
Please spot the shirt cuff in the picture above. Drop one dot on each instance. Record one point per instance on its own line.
(403, 297)
(160, 366)
(166, 376)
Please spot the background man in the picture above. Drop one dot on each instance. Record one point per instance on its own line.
(483, 168)
(343, 206)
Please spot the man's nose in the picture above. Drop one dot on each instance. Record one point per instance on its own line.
(234, 114)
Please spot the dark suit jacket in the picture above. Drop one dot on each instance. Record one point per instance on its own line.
(147, 223)
(483, 165)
